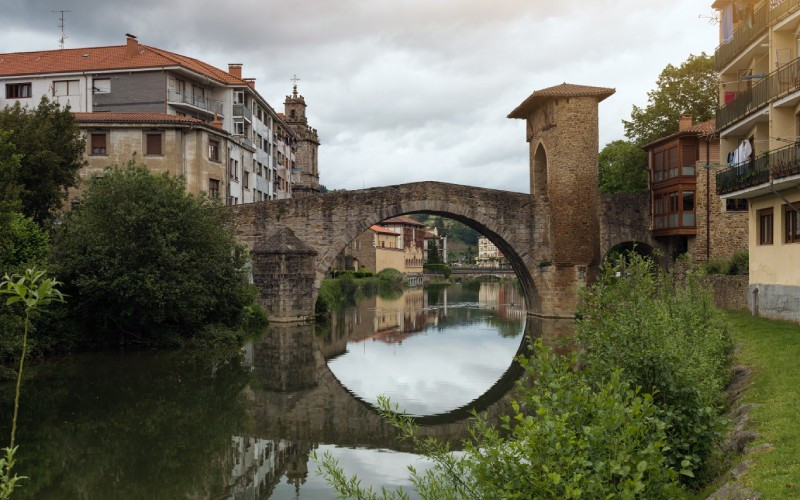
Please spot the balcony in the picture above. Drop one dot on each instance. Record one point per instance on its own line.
(780, 82)
(184, 99)
(242, 111)
(744, 35)
(773, 165)
(781, 9)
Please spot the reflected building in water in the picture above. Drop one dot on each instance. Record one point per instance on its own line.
(260, 464)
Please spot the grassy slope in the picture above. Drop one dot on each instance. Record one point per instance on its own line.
(772, 350)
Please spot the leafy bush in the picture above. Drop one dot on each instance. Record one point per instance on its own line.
(441, 268)
(667, 339)
(22, 242)
(148, 262)
(568, 438)
(739, 263)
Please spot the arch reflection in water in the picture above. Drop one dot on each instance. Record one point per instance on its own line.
(430, 351)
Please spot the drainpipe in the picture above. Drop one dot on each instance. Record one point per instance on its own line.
(708, 198)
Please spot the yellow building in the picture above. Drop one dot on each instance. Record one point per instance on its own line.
(374, 250)
(758, 122)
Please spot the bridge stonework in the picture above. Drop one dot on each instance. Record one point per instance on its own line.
(550, 237)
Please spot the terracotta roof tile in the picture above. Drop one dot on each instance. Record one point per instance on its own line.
(134, 118)
(562, 90)
(401, 219)
(706, 128)
(105, 59)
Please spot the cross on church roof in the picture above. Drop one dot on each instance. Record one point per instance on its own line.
(295, 80)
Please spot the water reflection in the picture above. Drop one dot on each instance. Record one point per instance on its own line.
(430, 353)
(242, 423)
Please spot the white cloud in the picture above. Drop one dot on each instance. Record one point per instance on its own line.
(405, 91)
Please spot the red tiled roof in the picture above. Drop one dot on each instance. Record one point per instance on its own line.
(135, 118)
(401, 219)
(107, 58)
(563, 90)
(383, 230)
(703, 129)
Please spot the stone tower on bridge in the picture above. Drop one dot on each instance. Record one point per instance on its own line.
(551, 237)
(562, 132)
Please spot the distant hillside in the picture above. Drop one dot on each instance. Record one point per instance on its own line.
(462, 240)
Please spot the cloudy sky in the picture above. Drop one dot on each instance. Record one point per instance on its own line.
(402, 91)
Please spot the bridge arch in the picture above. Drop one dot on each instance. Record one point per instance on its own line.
(467, 215)
(296, 241)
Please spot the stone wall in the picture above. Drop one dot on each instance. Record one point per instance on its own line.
(625, 218)
(730, 292)
(728, 230)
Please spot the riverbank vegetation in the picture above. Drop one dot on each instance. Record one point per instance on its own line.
(640, 417)
(143, 262)
(147, 262)
(346, 286)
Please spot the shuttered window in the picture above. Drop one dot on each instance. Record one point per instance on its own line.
(99, 144)
(153, 145)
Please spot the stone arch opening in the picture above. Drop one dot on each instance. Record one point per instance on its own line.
(539, 173)
(461, 213)
(627, 247)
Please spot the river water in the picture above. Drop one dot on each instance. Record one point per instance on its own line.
(244, 423)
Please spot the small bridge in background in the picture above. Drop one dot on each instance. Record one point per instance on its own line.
(471, 273)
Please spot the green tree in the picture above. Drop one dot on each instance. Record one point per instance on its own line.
(149, 262)
(49, 149)
(691, 88)
(623, 168)
(434, 257)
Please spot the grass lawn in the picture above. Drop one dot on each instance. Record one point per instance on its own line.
(772, 350)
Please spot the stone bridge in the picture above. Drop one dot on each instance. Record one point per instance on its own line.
(552, 238)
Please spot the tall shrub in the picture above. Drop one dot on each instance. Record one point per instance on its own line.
(147, 261)
(667, 339)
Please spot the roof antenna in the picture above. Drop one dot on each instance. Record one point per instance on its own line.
(61, 25)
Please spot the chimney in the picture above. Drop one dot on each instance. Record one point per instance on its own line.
(132, 47)
(235, 70)
(251, 82)
(216, 123)
(685, 123)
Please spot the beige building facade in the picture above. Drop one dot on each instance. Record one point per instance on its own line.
(759, 126)
(165, 143)
(488, 254)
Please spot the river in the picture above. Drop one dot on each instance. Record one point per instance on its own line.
(243, 423)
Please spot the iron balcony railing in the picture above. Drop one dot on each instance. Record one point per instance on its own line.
(210, 105)
(744, 35)
(780, 8)
(243, 111)
(774, 164)
(784, 80)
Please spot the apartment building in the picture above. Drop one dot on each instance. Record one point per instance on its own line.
(758, 122)
(489, 255)
(146, 93)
